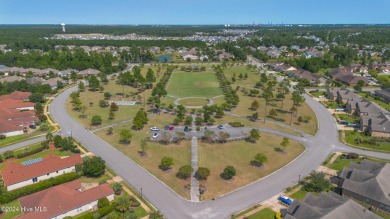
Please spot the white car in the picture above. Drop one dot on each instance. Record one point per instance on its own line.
(155, 135)
(154, 129)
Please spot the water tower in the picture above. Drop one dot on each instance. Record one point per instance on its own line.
(63, 27)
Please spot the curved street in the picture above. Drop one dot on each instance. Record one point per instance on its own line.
(318, 148)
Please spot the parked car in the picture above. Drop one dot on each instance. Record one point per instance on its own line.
(166, 127)
(32, 126)
(285, 200)
(155, 135)
(205, 128)
(220, 126)
(186, 129)
(339, 109)
(171, 128)
(154, 129)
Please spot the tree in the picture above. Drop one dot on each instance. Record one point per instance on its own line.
(117, 187)
(114, 107)
(83, 108)
(319, 182)
(280, 97)
(140, 119)
(37, 98)
(165, 137)
(94, 166)
(49, 136)
(254, 135)
(73, 76)
(273, 113)
(81, 86)
(255, 105)
(96, 120)
(144, 146)
(107, 95)
(166, 163)
(103, 103)
(223, 136)
(255, 116)
(203, 173)
(122, 204)
(285, 142)
(103, 202)
(188, 120)
(259, 159)
(44, 127)
(150, 78)
(110, 130)
(267, 95)
(297, 99)
(125, 136)
(111, 115)
(185, 172)
(94, 83)
(229, 172)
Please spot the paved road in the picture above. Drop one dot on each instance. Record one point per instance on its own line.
(173, 206)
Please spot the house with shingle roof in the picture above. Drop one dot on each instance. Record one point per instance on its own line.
(383, 94)
(364, 107)
(345, 75)
(65, 200)
(16, 95)
(10, 79)
(367, 182)
(89, 72)
(327, 206)
(17, 175)
(377, 124)
(53, 82)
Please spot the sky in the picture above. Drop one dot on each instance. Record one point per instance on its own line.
(194, 11)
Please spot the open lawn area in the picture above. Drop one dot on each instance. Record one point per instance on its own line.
(365, 141)
(300, 194)
(193, 84)
(155, 151)
(283, 114)
(194, 102)
(239, 154)
(23, 137)
(348, 118)
(11, 210)
(265, 213)
(253, 76)
(340, 163)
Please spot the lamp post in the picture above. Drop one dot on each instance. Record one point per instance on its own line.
(141, 192)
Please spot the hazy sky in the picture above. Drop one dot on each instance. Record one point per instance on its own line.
(194, 11)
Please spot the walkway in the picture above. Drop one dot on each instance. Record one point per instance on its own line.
(195, 195)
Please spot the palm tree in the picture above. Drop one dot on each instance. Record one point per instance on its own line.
(122, 204)
(49, 136)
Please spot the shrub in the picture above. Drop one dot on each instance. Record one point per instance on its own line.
(185, 172)
(229, 172)
(94, 167)
(352, 156)
(75, 150)
(134, 202)
(103, 202)
(117, 187)
(2, 137)
(1, 158)
(236, 124)
(203, 173)
(30, 152)
(8, 154)
(39, 186)
(197, 128)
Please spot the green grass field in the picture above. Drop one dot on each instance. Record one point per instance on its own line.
(193, 84)
(340, 163)
(11, 209)
(351, 136)
(238, 154)
(193, 102)
(299, 195)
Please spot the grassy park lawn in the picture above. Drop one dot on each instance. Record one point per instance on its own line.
(253, 76)
(193, 84)
(238, 154)
(155, 151)
(318, 93)
(11, 210)
(333, 104)
(351, 136)
(194, 102)
(348, 118)
(265, 213)
(283, 114)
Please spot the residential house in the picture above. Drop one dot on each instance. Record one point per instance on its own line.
(189, 55)
(89, 72)
(368, 182)
(17, 175)
(154, 49)
(35, 80)
(274, 53)
(65, 200)
(313, 53)
(327, 206)
(345, 75)
(352, 105)
(53, 82)
(383, 94)
(16, 95)
(2, 67)
(10, 79)
(341, 95)
(376, 124)
(67, 72)
(364, 107)
(314, 79)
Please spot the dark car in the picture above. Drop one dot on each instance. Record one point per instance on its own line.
(186, 129)
(32, 126)
(220, 126)
(171, 128)
(166, 127)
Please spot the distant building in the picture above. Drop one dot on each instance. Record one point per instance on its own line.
(17, 175)
(89, 72)
(53, 82)
(327, 206)
(65, 200)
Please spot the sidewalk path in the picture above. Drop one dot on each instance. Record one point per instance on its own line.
(195, 164)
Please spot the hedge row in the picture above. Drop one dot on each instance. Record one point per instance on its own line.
(9, 196)
(28, 153)
(101, 212)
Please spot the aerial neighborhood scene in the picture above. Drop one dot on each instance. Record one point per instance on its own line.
(194, 110)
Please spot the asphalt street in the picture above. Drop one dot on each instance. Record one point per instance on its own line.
(318, 148)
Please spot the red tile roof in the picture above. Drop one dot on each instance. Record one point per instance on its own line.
(7, 126)
(16, 172)
(15, 104)
(16, 95)
(61, 199)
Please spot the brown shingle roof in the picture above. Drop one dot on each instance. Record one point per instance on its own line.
(14, 104)
(16, 95)
(16, 172)
(61, 199)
